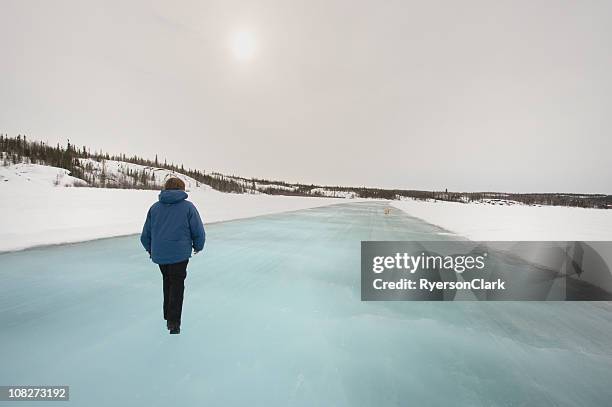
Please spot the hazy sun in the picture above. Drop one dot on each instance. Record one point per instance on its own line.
(243, 45)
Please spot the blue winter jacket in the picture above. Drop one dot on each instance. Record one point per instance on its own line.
(173, 227)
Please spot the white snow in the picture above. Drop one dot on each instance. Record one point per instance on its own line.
(25, 174)
(513, 222)
(33, 211)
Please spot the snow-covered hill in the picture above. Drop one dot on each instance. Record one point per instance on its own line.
(25, 174)
(124, 174)
(115, 174)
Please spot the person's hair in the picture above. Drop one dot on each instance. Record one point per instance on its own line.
(174, 183)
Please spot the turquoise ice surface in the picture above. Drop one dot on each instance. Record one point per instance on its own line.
(273, 317)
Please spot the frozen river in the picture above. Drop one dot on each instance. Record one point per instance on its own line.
(273, 317)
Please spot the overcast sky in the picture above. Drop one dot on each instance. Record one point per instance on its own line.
(470, 95)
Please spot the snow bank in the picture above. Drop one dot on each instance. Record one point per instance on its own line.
(37, 209)
(35, 215)
(34, 211)
(513, 222)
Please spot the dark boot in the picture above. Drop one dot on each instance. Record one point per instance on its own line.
(175, 328)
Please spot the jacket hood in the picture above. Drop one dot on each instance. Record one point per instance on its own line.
(171, 196)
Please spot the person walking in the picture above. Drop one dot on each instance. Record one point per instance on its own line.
(173, 229)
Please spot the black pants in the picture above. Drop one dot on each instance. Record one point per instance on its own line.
(174, 287)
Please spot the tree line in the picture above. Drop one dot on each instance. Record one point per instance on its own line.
(91, 167)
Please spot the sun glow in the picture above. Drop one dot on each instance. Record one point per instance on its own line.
(243, 45)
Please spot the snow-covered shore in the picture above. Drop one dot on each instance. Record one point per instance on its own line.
(42, 216)
(36, 209)
(515, 222)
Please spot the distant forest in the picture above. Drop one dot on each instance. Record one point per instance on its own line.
(16, 149)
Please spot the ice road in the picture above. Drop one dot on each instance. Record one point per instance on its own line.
(273, 317)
